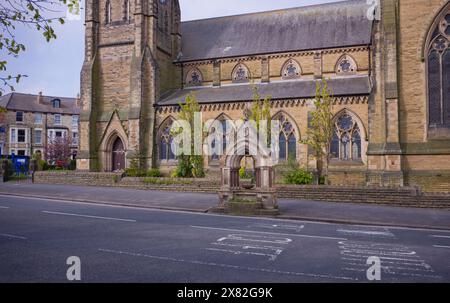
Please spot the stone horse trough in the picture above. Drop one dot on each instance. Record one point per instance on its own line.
(237, 198)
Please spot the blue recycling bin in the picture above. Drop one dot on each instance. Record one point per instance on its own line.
(21, 164)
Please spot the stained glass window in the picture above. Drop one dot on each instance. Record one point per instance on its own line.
(335, 146)
(165, 142)
(227, 131)
(346, 65)
(194, 77)
(291, 70)
(282, 142)
(163, 149)
(356, 143)
(439, 74)
(240, 73)
(346, 141)
(292, 147)
(446, 86)
(287, 140)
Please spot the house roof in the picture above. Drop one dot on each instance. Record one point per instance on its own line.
(343, 86)
(29, 102)
(340, 24)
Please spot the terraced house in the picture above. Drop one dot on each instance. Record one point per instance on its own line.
(32, 121)
(388, 68)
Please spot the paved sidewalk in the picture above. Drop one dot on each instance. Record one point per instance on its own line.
(196, 202)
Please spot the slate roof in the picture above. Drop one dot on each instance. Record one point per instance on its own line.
(340, 24)
(29, 103)
(344, 86)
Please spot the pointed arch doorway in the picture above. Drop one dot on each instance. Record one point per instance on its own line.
(118, 155)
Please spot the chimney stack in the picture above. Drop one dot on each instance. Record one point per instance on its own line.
(78, 101)
(40, 99)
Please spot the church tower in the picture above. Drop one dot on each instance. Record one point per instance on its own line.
(129, 53)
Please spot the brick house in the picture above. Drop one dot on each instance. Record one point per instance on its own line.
(32, 121)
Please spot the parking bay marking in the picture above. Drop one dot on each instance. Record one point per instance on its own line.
(397, 260)
(269, 233)
(253, 245)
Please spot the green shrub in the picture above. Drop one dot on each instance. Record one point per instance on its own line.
(41, 164)
(159, 181)
(154, 172)
(8, 169)
(298, 177)
(135, 169)
(72, 164)
(245, 174)
(184, 168)
(134, 172)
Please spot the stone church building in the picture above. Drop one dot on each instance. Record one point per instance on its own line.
(389, 73)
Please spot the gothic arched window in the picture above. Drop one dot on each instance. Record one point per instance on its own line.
(291, 70)
(287, 139)
(194, 77)
(165, 142)
(240, 74)
(438, 63)
(346, 65)
(224, 135)
(346, 141)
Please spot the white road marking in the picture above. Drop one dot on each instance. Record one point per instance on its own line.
(296, 228)
(265, 270)
(268, 233)
(252, 245)
(4, 207)
(396, 259)
(13, 236)
(86, 216)
(256, 238)
(375, 233)
(385, 261)
(439, 236)
(272, 257)
(441, 246)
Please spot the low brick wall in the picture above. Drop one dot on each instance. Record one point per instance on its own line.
(404, 196)
(429, 182)
(399, 196)
(172, 184)
(77, 178)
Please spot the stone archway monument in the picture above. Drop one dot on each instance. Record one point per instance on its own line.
(233, 197)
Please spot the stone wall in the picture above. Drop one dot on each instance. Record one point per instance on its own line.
(428, 181)
(403, 196)
(77, 178)
(395, 196)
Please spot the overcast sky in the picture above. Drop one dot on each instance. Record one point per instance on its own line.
(54, 68)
